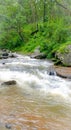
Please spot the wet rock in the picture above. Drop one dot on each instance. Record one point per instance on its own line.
(52, 73)
(64, 72)
(3, 63)
(39, 56)
(8, 126)
(4, 54)
(11, 82)
(12, 55)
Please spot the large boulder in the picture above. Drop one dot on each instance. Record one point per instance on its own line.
(64, 72)
(65, 56)
(37, 54)
(8, 83)
(4, 54)
(12, 55)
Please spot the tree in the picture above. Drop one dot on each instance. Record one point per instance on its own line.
(16, 14)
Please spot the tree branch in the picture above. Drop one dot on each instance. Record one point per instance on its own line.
(61, 5)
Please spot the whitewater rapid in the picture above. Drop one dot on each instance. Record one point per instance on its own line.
(32, 76)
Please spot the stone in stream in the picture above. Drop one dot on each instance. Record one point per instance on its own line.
(52, 73)
(4, 54)
(11, 82)
(8, 126)
(37, 54)
(11, 55)
(3, 63)
(64, 72)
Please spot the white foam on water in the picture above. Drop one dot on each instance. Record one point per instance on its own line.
(43, 83)
(27, 63)
(38, 80)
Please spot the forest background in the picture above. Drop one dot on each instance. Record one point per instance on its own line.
(28, 24)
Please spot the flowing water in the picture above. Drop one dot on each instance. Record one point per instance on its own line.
(38, 101)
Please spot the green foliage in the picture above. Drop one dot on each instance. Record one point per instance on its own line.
(32, 43)
(19, 19)
(52, 36)
(63, 47)
(56, 34)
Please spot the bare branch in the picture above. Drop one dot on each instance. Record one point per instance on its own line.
(61, 5)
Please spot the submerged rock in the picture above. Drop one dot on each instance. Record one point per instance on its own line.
(11, 82)
(3, 63)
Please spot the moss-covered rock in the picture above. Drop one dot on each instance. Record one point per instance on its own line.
(65, 55)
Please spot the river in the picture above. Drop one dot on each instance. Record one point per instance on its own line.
(38, 101)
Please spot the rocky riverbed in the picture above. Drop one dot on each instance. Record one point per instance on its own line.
(64, 72)
(65, 58)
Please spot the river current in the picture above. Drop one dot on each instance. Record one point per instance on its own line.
(39, 101)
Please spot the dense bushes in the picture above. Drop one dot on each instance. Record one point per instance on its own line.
(56, 35)
(52, 36)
